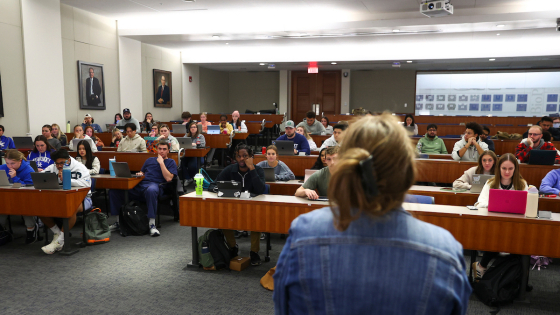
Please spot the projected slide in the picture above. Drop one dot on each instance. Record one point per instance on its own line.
(510, 93)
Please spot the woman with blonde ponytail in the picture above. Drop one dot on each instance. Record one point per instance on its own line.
(18, 170)
(365, 252)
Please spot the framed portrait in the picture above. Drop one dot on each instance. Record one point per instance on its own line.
(1, 102)
(92, 85)
(162, 88)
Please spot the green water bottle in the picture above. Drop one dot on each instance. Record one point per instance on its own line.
(199, 180)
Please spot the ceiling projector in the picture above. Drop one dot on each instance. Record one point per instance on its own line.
(436, 8)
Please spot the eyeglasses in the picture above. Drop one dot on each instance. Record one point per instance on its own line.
(535, 134)
(61, 163)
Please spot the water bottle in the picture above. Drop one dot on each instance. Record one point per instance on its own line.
(111, 170)
(66, 177)
(197, 142)
(419, 147)
(68, 127)
(532, 208)
(199, 180)
(263, 150)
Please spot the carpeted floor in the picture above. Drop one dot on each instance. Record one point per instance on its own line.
(144, 275)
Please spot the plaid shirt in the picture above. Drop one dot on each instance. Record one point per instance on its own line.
(522, 152)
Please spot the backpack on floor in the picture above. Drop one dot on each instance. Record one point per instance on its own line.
(133, 219)
(540, 261)
(501, 283)
(5, 236)
(97, 228)
(213, 250)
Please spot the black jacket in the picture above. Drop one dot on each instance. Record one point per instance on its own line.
(253, 181)
(553, 131)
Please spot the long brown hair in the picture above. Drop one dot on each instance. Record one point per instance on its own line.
(517, 180)
(394, 169)
(15, 155)
(189, 130)
(480, 168)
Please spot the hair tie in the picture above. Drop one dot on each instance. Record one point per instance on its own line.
(369, 183)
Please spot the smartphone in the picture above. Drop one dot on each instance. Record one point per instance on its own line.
(472, 208)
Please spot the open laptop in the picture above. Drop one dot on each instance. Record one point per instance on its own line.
(478, 182)
(542, 157)
(321, 198)
(122, 170)
(285, 147)
(4, 181)
(230, 189)
(409, 128)
(185, 143)
(76, 141)
(508, 201)
(23, 142)
(45, 181)
(308, 174)
(109, 127)
(213, 130)
(269, 175)
(179, 128)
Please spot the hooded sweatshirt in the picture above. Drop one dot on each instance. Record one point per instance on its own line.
(471, 154)
(133, 120)
(23, 173)
(431, 146)
(42, 159)
(6, 143)
(80, 174)
(136, 144)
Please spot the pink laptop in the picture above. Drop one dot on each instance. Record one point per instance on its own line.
(508, 201)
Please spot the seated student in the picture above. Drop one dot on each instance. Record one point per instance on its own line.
(319, 180)
(551, 183)
(546, 123)
(91, 133)
(486, 165)
(41, 153)
(188, 164)
(186, 117)
(237, 123)
(59, 135)
(154, 132)
(5, 142)
(311, 124)
(555, 122)
(47, 132)
(470, 147)
(507, 177)
(252, 178)
(117, 138)
(79, 134)
(18, 170)
(204, 123)
(302, 131)
(148, 122)
(321, 160)
(165, 134)
(225, 127)
(281, 171)
(300, 143)
(86, 157)
(430, 143)
(128, 119)
(132, 142)
(319, 271)
(409, 122)
(535, 141)
(485, 137)
(118, 117)
(88, 121)
(80, 178)
(335, 139)
(157, 170)
(325, 122)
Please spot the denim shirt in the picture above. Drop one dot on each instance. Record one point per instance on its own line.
(395, 264)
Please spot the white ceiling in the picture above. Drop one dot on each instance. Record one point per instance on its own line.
(315, 30)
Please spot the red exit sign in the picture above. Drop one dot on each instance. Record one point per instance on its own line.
(311, 69)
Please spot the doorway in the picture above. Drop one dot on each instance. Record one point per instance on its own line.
(321, 89)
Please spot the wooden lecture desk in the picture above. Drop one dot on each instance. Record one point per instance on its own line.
(106, 181)
(55, 203)
(275, 119)
(217, 141)
(319, 139)
(298, 164)
(240, 135)
(476, 230)
(135, 160)
(196, 153)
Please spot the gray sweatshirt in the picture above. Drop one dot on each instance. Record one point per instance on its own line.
(199, 137)
(133, 120)
(282, 172)
(316, 128)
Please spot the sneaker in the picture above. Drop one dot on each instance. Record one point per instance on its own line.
(263, 236)
(233, 251)
(54, 246)
(153, 231)
(188, 182)
(115, 226)
(255, 259)
(32, 235)
(479, 271)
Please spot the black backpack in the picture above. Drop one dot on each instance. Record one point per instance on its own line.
(133, 219)
(218, 249)
(501, 283)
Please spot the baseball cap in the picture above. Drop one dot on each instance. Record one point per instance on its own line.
(126, 110)
(290, 124)
(87, 115)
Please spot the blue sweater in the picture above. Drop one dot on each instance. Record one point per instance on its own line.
(23, 173)
(300, 141)
(551, 183)
(6, 143)
(42, 159)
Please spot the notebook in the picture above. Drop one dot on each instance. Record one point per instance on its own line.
(478, 182)
(508, 201)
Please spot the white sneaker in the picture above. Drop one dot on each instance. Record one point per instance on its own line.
(54, 246)
(153, 231)
(115, 226)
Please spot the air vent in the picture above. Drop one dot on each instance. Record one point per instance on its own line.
(438, 5)
(425, 7)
